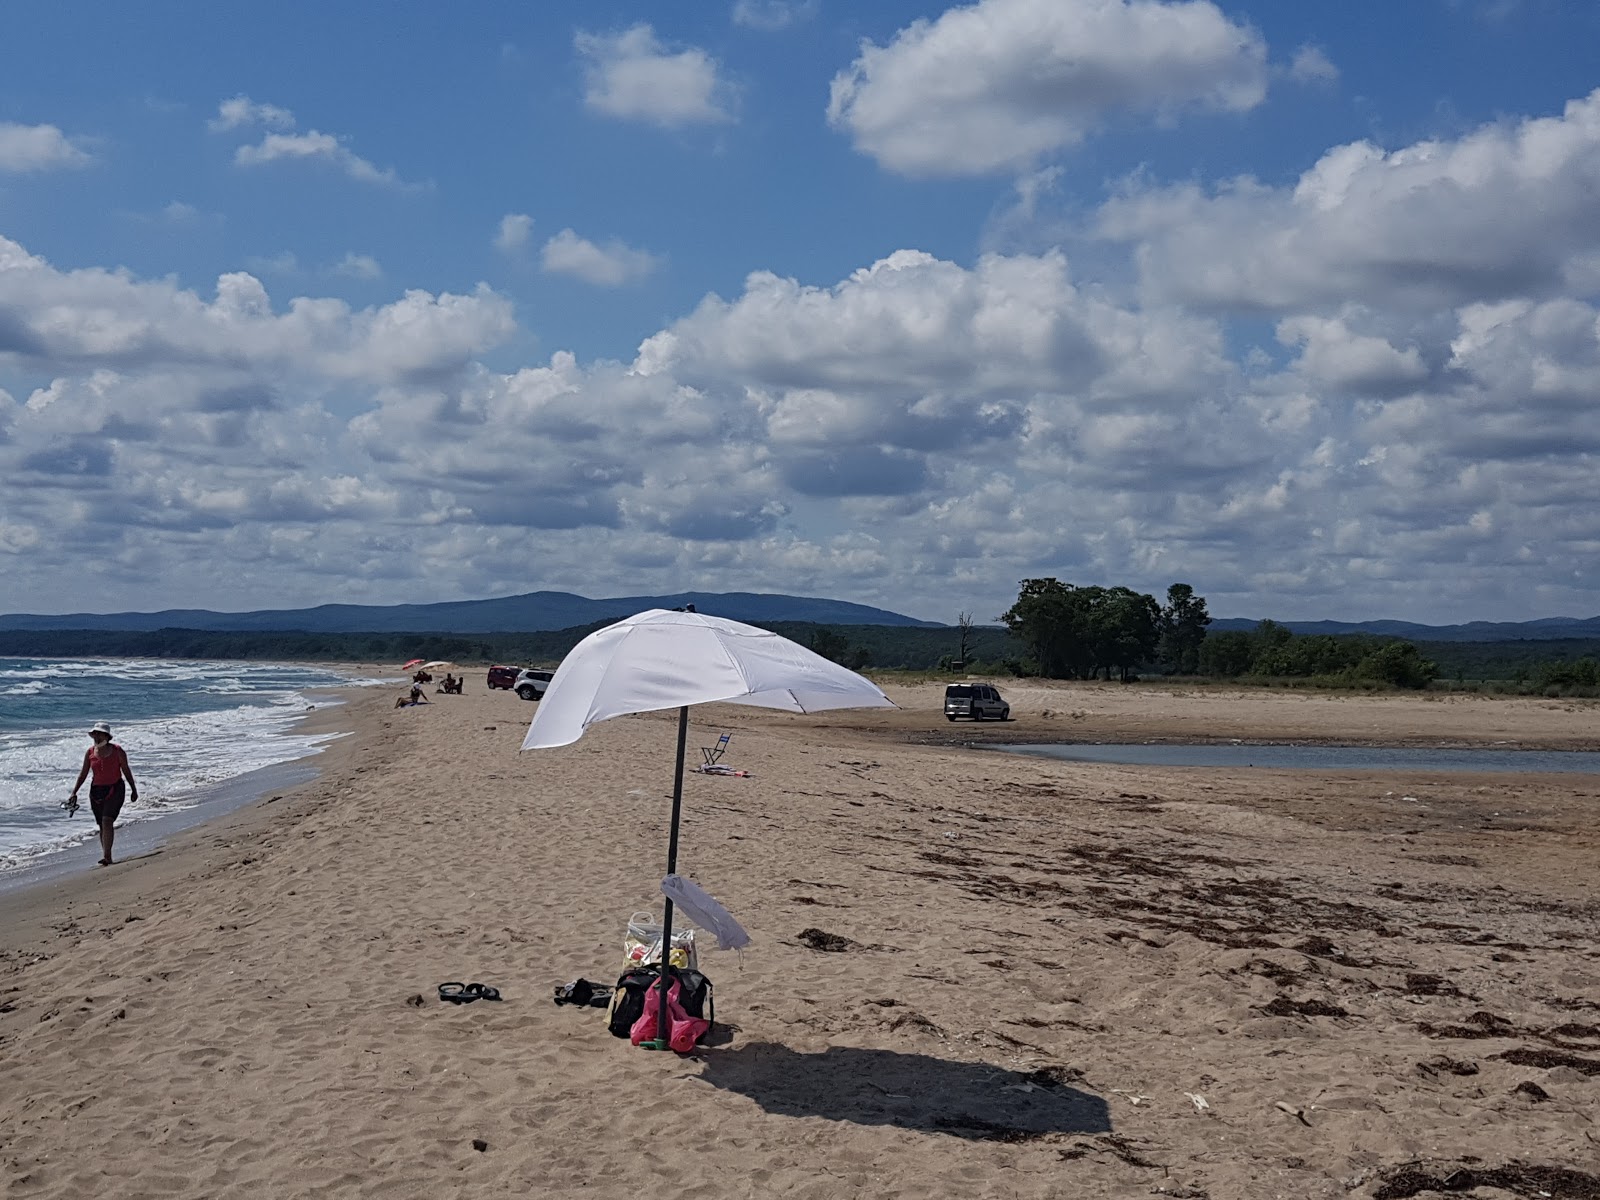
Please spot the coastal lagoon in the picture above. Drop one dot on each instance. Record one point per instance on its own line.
(1322, 758)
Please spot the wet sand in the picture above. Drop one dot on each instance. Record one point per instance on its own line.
(1055, 978)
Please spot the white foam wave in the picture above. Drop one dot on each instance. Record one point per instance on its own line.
(52, 671)
(32, 688)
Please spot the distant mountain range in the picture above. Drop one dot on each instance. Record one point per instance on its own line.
(530, 613)
(537, 612)
(1546, 629)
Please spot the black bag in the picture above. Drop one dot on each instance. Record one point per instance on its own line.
(694, 993)
(637, 987)
(627, 1000)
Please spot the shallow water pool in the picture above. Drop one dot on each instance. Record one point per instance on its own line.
(1322, 758)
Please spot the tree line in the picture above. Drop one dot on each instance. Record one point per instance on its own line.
(1181, 646)
(1272, 651)
(1072, 632)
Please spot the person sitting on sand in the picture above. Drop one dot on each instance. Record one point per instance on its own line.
(108, 763)
(416, 694)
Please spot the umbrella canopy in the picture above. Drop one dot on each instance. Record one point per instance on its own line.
(437, 664)
(415, 662)
(668, 659)
(663, 659)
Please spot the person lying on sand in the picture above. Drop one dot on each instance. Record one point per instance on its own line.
(108, 763)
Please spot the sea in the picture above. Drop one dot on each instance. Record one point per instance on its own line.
(189, 729)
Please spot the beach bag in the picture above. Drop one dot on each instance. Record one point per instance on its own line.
(696, 995)
(642, 943)
(636, 988)
(627, 1001)
(683, 1031)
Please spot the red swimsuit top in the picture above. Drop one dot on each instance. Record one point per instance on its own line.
(105, 768)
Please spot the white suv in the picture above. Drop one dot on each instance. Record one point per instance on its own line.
(531, 684)
(980, 701)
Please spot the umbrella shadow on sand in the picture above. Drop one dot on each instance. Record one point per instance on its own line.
(977, 1101)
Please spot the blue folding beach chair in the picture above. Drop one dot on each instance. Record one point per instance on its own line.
(713, 753)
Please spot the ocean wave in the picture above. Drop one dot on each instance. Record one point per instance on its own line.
(32, 688)
(178, 761)
(49, 672)
(19, 852)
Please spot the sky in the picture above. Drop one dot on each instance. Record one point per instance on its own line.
(894, 303)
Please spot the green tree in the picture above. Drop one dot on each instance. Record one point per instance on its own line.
(1398, 664)
(1042, 619)
(1226, 655)
(1183, 628)
(836, 647)
(1078, 632)
(1270, 653)
(1128, 629)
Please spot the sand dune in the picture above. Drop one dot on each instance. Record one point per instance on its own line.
(1057, 980)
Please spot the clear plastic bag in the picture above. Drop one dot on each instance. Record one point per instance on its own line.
(642, 943)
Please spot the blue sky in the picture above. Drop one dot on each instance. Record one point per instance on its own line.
(895, 303)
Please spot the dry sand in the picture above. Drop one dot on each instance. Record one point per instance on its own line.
(1061, 979)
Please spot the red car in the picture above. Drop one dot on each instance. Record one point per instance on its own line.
(502, 677)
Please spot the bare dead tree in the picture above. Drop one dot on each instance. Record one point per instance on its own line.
(964, 623)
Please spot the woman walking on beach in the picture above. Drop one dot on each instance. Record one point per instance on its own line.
(108, 763)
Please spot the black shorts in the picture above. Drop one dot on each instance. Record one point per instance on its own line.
(105, 801)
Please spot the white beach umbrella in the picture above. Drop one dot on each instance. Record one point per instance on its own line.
(664, 659)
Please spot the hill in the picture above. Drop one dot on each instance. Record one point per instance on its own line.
(529, 613)
(1546, 629)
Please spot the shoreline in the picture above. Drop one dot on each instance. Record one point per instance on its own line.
(152, 853)
(144, 839)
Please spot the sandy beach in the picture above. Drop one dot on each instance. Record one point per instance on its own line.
(1048, 979)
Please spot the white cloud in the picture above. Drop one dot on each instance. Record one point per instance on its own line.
(1311, 65)
(28, 148)
(514, 232)
(96, 319)
(769, 16)
(241, 110)
(999, 84)
(312, 145)
(970, 425)
(180, 213)
(631, 75)
(1333, 356)
(286, 146)
(1505, 210)
(610, 265)
(358, 266)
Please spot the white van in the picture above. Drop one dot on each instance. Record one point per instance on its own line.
(980, 701)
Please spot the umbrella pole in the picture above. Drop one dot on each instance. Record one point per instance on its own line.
(662, 1040)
